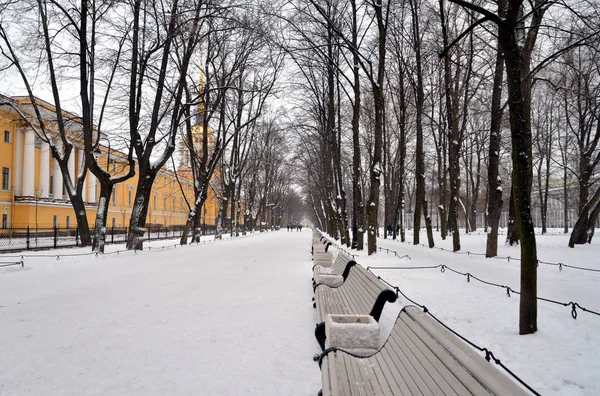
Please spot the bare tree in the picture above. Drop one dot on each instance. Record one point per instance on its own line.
(155, 40)
(420, 197)
(89, 26)
(517, 60)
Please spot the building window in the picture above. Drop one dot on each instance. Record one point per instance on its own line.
(55, 221)
(165, 202)
(114, 222)
(165, 182)
(51, 186)
(5, 178)
(7, 136)
(4, 220)
(114, 195)
(174, 203)
(154, 200)
(129, 197)
(68, 222)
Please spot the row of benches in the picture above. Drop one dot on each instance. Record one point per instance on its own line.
(420, 357)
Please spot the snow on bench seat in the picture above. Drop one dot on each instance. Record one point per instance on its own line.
(420, 357)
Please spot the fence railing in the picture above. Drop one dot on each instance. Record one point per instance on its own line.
(28, 238)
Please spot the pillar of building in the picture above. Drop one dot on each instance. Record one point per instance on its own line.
(80, 163)
(29, 163)
(91, 187)
(44, 182)
(18, 163)
(57, 180)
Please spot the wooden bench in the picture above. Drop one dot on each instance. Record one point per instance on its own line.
(322, 240)
(420, 357)
(361, 293)
(341, 266)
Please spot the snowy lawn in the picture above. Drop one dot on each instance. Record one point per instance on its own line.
(562, 358)
(227, 318)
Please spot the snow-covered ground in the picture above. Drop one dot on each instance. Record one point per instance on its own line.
(562, 357)
(228, 318)
(235, 317)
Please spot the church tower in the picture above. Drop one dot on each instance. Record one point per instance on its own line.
(183, 150)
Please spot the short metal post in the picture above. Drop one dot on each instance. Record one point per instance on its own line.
(27, 241)
(77, 236)
(55, 236)
(112, 234)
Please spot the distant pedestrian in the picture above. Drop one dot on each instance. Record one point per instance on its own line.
(389, 229)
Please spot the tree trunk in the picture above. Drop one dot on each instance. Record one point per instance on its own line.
(139, 212)
(579, 234)
(442, 173)
(82, 221)
(494, 206)
(419, 154)
(591, 226)
(192, 219)
(375, 174)
(566, 200)
(512, 231)
(453, 142)
(522, 170)
(428, 226)
(219, 225)
(400, 111)
(357, 204)
(99, 239)
(379, 104)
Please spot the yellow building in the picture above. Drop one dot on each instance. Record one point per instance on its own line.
(32, 193)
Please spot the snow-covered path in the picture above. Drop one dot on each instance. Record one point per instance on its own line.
(229, 318)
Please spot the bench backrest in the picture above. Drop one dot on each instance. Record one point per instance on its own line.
(413, 327)
(340, 262)
(361, 293)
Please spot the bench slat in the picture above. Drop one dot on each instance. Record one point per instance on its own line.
(488, 376)
(441, 356)
(405, 339)
(374, 380)
(399, 381)
(406, 361)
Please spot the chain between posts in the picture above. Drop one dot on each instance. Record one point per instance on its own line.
(509, 258)
(469, 276)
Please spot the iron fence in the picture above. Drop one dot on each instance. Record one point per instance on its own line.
(29, 238)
